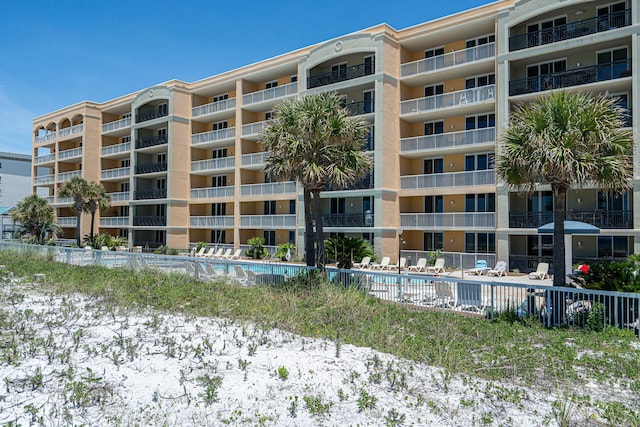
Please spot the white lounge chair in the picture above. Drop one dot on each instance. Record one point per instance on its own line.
(236, 254)
(216, 254)
(480, 268)
(392, 267)
(436, 268)
(541, 272)
(226, 254)
(364, 263)
(209, 253)
(243, 277)
(201, 252)
(383, 264)
(419, 267)
(499, 270)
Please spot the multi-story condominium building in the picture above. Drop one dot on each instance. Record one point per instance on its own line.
(183, 161)
(15, 178)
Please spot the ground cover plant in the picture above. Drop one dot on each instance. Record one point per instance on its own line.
(72, 345)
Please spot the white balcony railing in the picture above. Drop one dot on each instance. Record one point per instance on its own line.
(49, 199)
(114, 221)
(214, 107)
(452, 59)
(447, 140)
(448, 221)
(73, 130)
(212, 192)
(267, 221)
(116, 173)
(43, 180)
(118, 124)
(450, 179)
(122, 196)
(225, 221)
(46, 138)
(271, 93)
(66, 176)
(44, 159)
(116, 149)
(68, 154)
(254, 159)
(212, 136)
(68, 200)
(269, 188)
(448, 100)
(68, 221)
(213, 164)
(254, 128)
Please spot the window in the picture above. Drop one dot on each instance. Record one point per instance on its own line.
(161, 183)
(369, 65)
(161, 210)
(433, 241)
(480, 202)
(432, 166)
(269, 237)
(368, 101)
(611, 16)
(162, 135)
(217, 236)
(613, 246)
(478, 162)
(124, 186)
(434, 128)
(292, 236)
(162, 157)
(541, 201)
(540, 75)
(219, 153)
(269, 207)
(271, 84)
(545, 32)
(338, 206)
(433, 90)
(612, 64)
(124, 210)
(339, 72)
(218, 209)
(126, 115)
(125, 163)
(219, 125)
(292, 207)
(430, 53)
(433, 204)
(368, 237)
(125, 139)
(480, 121)
(269, 115)
(479, 81)
(221, 97)
(162, 109)
(294, 78)
(219, 181)
(479, 242)
(481, 40)
(613, 202)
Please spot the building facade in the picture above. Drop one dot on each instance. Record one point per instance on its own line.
(183, 162)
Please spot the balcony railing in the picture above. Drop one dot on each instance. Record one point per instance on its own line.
(361, 107)
(450, 179)
(46, 138)
(447, 220)
(214, 135)
(65, 200)
(348, 73)
(116, 173)
(49, 199)
(213, 164)
(269, 188)
(44, 180)
(66, 176)
(69, 221)
(254, 159)
(44, 159)
(571, 30)
(348, 220)
(600, 218)
(214, 107)
(122, 196)
(114, 221)
(365, 183)
(150, 221)
(73, 130)
(448, 100)
(151, 168)
(447, 140)
(271, 93)
(118, 124)
(68, 154)
(116, 149)
(369, 143)
(143, 116)
(154, 193)
(224, 221)
(151, 141)
(254, 128)
(575, 77)
(212, 192)
(267, 221)
(452, 59)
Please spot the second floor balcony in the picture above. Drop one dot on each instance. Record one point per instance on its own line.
(151, 168)
(151, 141)
(444, 141)
(348, 220)
(149, 221)
(153, 193)
(449, 179)
(604, 219)
(448, 220)
(268, 221)
(44, 180)
(221, 221)
(341, 75)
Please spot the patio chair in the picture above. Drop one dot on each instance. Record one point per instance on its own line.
(201, 252)
(216, 254)
(541, 272)
(226, 254)
(442, 297)
(190, 268)
(242, 277)
(480, 268)
(383, 264)
(438, 267)
(364, 263)
(499, 270)
(392, 267)
(421, 266)
(236, 254)
(211, 271)
(209, 253)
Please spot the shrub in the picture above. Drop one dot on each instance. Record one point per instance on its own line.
(256, 251)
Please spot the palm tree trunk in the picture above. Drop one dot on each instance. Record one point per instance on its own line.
(559, 267)
(317, 215)
(78, 214)
(93, 218)
(309, 243)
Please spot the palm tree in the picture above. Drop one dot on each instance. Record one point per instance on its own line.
(78, 188)
(314, 142)
(566, 140)
(96, 199)
(36, 218)
(345, 249)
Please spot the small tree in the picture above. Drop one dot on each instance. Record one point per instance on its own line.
(347, 249)
(78, 188)
(96, 199)
(36, 218)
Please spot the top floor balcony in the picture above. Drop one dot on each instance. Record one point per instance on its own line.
(116, 125)
(341, 75)
(271, 94)
(202, 111)
(155, 113)
(448, 60)
(73, 130)
(48, 137)
(571, 30)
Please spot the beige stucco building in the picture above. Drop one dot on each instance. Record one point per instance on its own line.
(183, 161)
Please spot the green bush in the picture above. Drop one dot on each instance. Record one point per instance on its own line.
(257, 249)
(283, 248)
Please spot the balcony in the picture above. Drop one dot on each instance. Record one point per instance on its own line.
(214, 107)
(450, 179)
(66, 176)
(361, 107)
(225, 221)
(149, 221)
(117, 125)
(114, 221)
(253, 130)
(113, 150)
(122, 196)
(268, 221)
(365, 183)
(154, 193)
(349, 73)
(212, 192)
(73, 130)
(445, 141)
(571, 30)
(451, 100)
(69, 200)
(271, 94)
(213, 165)
(49, 199)
(67, 222)
(117, 173)
(70, 154)
(255, 159)
(219, 135)
(268, 189)
(348, 220)
(41, 160)
(151, 168)
(44, 180)
(151, 141)
(448, 221)
(46, 138)
(143, 116)
(448, 60)
(575, 77)
(602, 219)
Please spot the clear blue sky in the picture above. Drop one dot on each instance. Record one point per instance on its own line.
(55, 54)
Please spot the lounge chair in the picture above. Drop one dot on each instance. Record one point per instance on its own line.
(419, 267)
(470, 297)
(364, 263)
(443, 296)
(243, 277)
(438, 267)
(211, 271)
(499, 270)
(201, 251)
(541, 272)
(190, 268)
(216, 254)
(383, 264)
(480, 268)
(209, 253)
(226, 254)
(236, 254)
(391, 267)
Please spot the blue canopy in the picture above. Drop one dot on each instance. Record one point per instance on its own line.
(571, 227)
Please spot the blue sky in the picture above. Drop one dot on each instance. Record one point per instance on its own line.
(55, 54)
